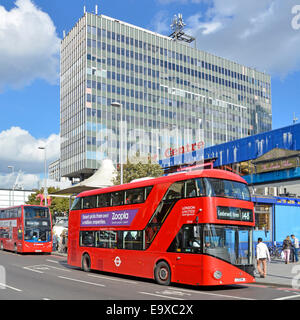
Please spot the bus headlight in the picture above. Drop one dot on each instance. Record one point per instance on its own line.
(217, 274)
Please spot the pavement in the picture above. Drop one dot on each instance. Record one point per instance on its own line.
(281, 274)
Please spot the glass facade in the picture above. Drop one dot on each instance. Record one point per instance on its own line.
(170, 93)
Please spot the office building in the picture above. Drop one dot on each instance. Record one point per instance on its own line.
(170, 95)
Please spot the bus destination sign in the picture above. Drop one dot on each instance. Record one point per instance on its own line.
(233, 213)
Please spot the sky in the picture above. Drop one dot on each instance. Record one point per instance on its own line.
(264, 34)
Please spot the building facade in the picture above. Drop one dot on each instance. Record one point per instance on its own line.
(9, 197)
(170, 94)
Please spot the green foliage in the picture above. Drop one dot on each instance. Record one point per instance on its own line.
(138, 169)
(57, 204)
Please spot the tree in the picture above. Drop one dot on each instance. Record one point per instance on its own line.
(138, 168)
(58, 205)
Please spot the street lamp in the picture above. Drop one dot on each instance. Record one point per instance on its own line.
(45, 178)
(12, 171)
(120, 105)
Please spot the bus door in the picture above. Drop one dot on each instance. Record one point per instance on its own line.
(187, 247)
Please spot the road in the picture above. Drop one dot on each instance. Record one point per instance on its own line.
(48, 277)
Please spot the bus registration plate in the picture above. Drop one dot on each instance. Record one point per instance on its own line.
(239, 279)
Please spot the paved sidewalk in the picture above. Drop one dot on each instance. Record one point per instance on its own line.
(281, 274)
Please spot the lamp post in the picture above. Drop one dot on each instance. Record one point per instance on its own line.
(120, 105)
(45, 178)
(12, 171)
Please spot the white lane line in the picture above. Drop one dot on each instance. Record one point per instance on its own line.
(113, 279)
(34, 270)
(288, 297)
(54, 261)
(57, 268)
(82, 281)
(160, 295)
(212, 294)
(9, 287)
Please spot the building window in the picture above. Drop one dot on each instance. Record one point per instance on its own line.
(263, 217)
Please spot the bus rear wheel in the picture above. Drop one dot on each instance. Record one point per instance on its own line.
(86, 263)
(162, 273)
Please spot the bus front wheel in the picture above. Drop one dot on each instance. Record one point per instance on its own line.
(86, 263)
(162, 273)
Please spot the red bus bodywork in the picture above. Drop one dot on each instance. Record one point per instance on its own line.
(184, 267)
(14, 234)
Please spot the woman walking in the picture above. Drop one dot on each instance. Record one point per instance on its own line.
(287, 246)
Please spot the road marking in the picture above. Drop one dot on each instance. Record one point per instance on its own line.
(37, 268)
(113, 279)
(288, 297)
(34, 270)
(77, 280)
(57, 268)
(175, 292)
(212, 294)
(9, 287)
(54, 261)
(160, 295)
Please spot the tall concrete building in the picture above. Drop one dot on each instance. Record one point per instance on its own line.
(168, 94)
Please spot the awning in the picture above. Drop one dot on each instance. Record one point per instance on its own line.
(102, 178)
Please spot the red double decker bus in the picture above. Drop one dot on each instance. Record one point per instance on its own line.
(192, 228)
(25, 228)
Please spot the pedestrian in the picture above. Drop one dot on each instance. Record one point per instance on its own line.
(295, 247)
(262, 255)
(287, 245)
(54, 239)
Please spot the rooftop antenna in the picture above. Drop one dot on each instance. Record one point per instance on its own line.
(177, 27)
(96, 9)
(84, 9)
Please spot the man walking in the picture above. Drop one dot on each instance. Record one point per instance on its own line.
(262, 254)
(295, 247)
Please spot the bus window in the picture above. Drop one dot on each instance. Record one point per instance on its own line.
(227, 189)
(89, 202)
(147, 191)
(117, 198)
(188, 240)
(106, 239)
(87, 238)
(176, 191)
(76, 205)
(104, 200)
(200, 187)
(133, 240)
(190, 189)
(36, 212)
(134, 196)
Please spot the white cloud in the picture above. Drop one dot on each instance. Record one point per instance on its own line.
(29, 46)
(21, 150)
(160, 23)
(27, 181)
(256, 33)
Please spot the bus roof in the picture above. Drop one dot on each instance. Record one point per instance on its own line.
(209, 173)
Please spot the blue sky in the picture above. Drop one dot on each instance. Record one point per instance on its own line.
(260, 33)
